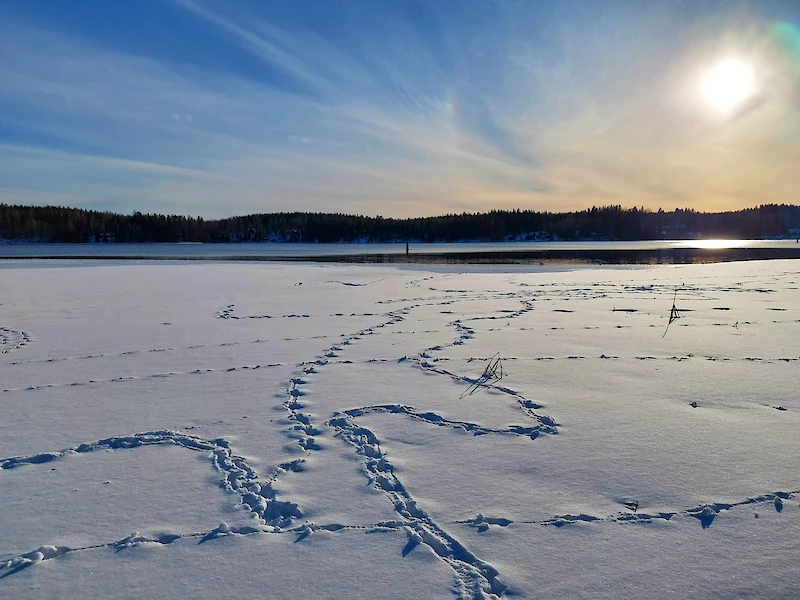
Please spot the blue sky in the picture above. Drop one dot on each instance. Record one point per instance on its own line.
(402, 108)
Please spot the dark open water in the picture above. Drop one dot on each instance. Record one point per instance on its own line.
(645, 252)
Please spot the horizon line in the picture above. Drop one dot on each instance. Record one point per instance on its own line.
(618, 207)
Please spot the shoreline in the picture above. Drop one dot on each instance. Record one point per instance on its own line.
(522, 257)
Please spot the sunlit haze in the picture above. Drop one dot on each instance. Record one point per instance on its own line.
(404, 108)
(728, 85)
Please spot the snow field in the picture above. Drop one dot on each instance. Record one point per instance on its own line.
(182, 425)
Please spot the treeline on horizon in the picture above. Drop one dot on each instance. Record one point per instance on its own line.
(62, 224)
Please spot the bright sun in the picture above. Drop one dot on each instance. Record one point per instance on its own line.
(728, 84)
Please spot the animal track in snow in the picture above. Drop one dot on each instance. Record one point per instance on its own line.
(227, 312)
(705, 513)
(465, 334)
(482, 523)
(13, 565)
(434, 419)
(352, 284)
(475, 578)
(238, 476)
(11, 339)
(257, 497)
(302, 427)
(122, 378)
(708, 512)
(547, 425)
(149, 350)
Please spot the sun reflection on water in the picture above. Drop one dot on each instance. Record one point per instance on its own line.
(717, 244)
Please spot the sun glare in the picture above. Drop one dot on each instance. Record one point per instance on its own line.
(728, 84)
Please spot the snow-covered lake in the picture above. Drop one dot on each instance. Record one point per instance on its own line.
(324, 431)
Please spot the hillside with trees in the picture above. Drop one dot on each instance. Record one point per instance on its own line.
(61, 224)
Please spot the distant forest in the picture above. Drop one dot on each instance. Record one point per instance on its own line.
(59, 224)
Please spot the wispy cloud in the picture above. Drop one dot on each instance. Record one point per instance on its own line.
(391, 114)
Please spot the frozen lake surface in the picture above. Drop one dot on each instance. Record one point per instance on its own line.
(343, 431)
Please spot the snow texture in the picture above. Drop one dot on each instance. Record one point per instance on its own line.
(220, 430)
